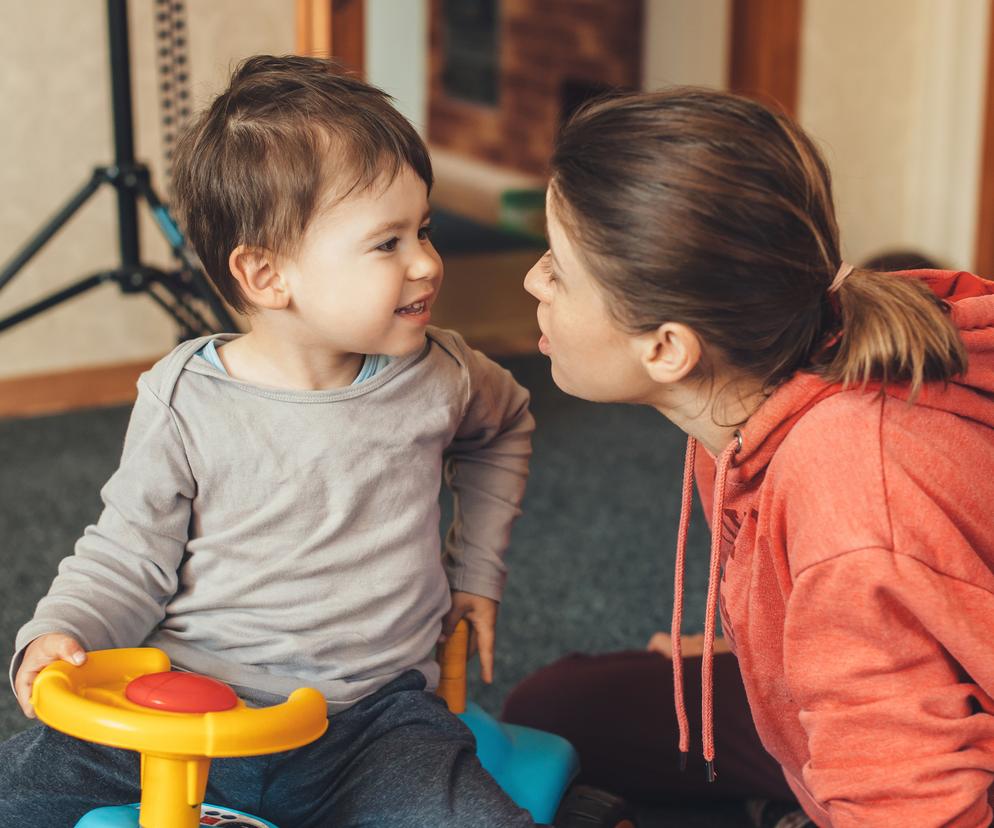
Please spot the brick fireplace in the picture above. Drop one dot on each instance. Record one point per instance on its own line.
(503, 73)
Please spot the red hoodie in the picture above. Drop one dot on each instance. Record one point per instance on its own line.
(856, 538)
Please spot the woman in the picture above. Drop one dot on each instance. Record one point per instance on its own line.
(841, 433)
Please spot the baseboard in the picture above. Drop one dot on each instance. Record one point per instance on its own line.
(69, 390)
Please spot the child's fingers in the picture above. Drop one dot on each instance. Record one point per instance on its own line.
(70, 650)
(485, 642)
(39, 654)
(48, 648)
(449, 623)
(22, 689)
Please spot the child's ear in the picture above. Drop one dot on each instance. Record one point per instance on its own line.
(670, 352)
(254, 268)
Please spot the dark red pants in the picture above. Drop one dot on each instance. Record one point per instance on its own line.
(617, 710)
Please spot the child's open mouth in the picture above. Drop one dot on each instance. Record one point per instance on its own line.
(413, 309)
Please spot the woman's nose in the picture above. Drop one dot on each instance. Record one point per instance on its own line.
(533, 283)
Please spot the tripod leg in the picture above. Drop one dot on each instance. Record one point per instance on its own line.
(177, 242)
(24, 255)
(53, 299)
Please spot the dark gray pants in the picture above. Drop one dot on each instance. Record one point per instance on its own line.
(397, 759)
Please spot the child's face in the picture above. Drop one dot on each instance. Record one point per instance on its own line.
(591, 356)
(366, 274)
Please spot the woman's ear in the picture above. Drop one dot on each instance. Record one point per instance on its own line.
(670, 352)
(255, 270)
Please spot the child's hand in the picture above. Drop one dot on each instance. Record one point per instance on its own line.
(482, 616)
(40, 653)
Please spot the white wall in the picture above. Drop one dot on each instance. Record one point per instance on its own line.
(54, 84)
(397, 54)
(893, 90)
(686, 42)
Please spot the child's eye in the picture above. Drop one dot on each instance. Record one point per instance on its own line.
(388, 246)
(424, 233)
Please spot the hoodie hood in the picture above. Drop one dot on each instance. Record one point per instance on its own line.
(745, 460)
(971, 303)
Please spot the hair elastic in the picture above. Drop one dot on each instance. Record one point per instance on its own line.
(840, 276)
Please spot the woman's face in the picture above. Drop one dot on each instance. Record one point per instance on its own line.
(592, 357)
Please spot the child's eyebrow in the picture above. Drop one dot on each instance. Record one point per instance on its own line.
(392, 226)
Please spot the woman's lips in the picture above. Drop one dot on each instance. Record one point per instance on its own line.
(544, 345)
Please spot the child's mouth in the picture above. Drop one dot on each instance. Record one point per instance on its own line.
(413, 309)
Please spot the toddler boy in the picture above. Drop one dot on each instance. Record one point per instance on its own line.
(274, 519)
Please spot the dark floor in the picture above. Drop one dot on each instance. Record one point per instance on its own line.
(590, 564)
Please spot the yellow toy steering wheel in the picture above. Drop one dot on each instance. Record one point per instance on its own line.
(177, 721)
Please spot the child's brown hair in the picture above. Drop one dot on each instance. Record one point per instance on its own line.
(255, 166)
(707, 208)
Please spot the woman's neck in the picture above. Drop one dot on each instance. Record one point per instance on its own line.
(711, 412)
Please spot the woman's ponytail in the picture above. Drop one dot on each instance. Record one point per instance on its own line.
(892, 329)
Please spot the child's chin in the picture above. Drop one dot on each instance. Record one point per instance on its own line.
(411, 344)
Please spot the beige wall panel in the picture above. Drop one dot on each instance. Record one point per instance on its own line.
(54, 82)
(892, 91)
(686, 43)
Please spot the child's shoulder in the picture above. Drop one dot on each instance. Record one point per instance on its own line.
(458, 349)
(449, 341)
(161, 378)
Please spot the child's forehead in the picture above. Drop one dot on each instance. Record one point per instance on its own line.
(390, 204)
(390, 188)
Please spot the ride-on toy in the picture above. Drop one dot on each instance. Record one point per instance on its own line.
(179, 721)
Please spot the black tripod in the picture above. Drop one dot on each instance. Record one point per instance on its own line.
(186, 290)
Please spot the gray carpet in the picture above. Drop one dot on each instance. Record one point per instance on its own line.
(590, 563)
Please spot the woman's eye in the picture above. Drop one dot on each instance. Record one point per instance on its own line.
(547, 266)
(388, 246)
(424, 233)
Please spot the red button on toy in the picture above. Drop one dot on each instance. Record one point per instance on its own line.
(181, 693)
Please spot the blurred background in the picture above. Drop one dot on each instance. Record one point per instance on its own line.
(897, 94)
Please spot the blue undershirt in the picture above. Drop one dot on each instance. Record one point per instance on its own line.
(371, 365)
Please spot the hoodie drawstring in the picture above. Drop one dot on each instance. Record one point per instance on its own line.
(711, 612)
(675, 627)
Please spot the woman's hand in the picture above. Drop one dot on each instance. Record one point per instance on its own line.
(40, 653)
(482, 616)
(690, 645)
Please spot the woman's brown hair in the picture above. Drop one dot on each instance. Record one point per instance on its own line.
(706, 208)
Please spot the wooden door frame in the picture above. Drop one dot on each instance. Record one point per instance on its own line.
(335, 29)
(765, 51)
(983, 257)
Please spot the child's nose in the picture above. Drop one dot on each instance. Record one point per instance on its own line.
(427, 265)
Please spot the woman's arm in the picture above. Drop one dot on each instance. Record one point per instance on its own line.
(890, 663)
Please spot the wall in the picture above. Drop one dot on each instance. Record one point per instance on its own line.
(397, 55)
(893, 91)
(685, 43)
(541, 47)
(54, 82)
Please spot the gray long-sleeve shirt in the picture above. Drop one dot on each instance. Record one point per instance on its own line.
(275, 539)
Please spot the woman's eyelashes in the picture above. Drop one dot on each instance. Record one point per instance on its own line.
(390, 245)
(550, 273)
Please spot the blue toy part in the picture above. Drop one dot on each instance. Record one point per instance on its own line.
(534, 768)
(212, 816)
